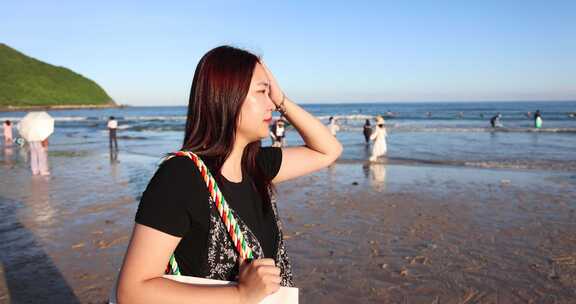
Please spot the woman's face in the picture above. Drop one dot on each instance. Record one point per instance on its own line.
(256, 111)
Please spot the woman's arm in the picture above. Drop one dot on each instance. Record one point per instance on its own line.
(321, 147)
(141, 278)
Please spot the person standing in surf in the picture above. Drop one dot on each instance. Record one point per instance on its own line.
(538, 119)
(367, 131)
(333, 126)
(379, 137)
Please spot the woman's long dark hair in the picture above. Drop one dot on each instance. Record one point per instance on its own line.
(220, 86)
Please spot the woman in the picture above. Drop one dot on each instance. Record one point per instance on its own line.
(333, 126)
(7, 125)
(39, 157)
(379, 137)
(367, 131)
(231, 102)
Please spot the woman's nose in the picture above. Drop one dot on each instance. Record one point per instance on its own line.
(269, 103)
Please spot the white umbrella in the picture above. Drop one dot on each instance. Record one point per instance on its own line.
(36, 126)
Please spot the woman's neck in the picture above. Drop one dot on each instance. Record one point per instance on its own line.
(232, 167)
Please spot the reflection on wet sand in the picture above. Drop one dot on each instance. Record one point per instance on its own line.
(378, 176)
(39, 200)
(8, 155)
(29, 274)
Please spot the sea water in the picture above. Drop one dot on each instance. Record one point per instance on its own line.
(445, 133)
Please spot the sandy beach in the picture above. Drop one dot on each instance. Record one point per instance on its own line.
(356, 233)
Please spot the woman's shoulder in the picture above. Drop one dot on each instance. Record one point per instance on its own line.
(177, 178)
(175, 196)
(177, 164)
(178, 169)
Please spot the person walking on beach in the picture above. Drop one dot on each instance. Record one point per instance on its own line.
(537, 119)
(333, 126)
(112, 128)
(495, 121)
(367, 131)
(178, 228)
(278, 133)
(7, 126)
(39, 157)
(379, 137)
(273, 134)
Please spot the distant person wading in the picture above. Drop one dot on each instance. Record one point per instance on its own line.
(7, 126)
(112, 127)
(367, 131)
(538, 119)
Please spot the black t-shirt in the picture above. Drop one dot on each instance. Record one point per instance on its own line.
(176, 202)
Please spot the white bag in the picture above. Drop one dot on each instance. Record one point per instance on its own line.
(288, 295)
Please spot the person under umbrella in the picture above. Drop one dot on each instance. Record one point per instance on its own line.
(35, 128)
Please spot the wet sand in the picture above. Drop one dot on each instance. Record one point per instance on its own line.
(356, 233)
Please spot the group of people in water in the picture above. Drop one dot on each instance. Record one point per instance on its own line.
(496, 120)
(377, 135)
(38, 150)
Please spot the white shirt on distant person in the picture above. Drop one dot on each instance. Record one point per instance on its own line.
(112, 124)
(334, 128)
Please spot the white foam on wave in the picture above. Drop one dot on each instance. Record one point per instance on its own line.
(347, 117)
(146, 118)
(70, 118)
(412, 128)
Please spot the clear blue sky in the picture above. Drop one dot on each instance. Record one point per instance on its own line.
(145, 52)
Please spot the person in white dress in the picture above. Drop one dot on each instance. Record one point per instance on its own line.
(278, 133)
(379, 137)
(333, 126)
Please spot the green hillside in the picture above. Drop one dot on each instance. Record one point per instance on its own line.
(27, 82)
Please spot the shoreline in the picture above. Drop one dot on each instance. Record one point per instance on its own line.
(58, 107)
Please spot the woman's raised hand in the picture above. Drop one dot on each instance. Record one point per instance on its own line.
(276, 93)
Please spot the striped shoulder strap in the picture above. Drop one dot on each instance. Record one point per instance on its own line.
(242, 247)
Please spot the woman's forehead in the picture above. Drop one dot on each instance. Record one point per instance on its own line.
(259, 76)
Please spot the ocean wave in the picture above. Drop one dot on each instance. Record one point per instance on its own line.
(348, 123)
(548, 165)
(154, 118)
(154, 128)
(347, 117)
(403, 128)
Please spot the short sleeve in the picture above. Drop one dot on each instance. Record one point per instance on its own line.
(174, 198)
(269, 160)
